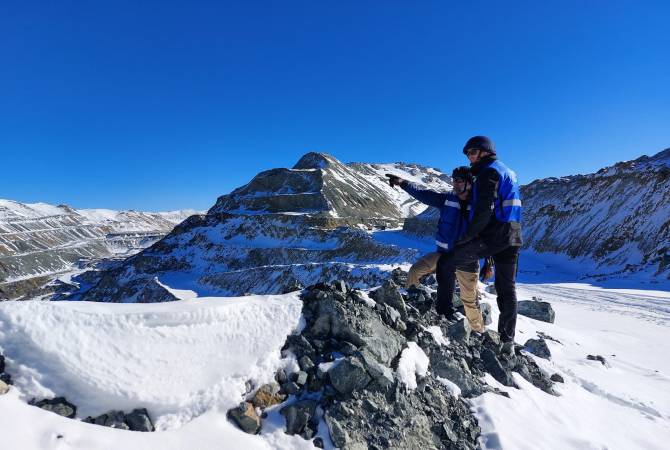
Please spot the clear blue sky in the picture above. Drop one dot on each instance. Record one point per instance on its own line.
(161, 105)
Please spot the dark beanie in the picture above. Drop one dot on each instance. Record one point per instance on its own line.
(481, 143)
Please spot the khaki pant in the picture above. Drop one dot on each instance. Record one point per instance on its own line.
(466, 280)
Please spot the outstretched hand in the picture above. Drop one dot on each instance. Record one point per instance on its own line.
(394, 180)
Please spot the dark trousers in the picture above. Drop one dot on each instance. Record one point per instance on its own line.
(505, 259)
(446, 284)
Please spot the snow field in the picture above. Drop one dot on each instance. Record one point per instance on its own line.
(186, 362)
(623, 405)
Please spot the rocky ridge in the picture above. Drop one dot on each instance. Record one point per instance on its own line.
(353, 356)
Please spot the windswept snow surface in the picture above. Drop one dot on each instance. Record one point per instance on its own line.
(622, 405)
(186, 362)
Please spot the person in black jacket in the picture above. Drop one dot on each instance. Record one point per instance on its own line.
(494, 230)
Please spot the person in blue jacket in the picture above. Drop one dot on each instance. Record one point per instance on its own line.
(453, 223)
(494, 230)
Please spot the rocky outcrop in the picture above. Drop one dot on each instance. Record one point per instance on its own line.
(58, 405)
(350, 355)
(136, 420)
(617, 216)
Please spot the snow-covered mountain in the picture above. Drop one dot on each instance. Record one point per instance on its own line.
(618, 217)
(40, 240)
(313, 222)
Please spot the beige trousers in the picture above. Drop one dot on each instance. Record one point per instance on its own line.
(466, 280)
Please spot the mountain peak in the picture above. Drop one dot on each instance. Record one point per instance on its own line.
(315, 160)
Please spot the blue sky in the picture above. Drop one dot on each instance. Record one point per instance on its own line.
(166, 105)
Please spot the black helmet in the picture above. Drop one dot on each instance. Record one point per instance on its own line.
(480, 143)
(464, 173)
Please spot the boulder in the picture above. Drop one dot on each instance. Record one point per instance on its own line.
(58, 405)
(267, 395)
(537, 310)
(349, 376)
(111, 419)
(538, 347)
(388, 294)
(556, 378)
(493, 366)
(444, 366)
(139, 420)
(300, 418)
(245, 417)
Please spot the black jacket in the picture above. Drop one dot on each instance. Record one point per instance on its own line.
(484, 224)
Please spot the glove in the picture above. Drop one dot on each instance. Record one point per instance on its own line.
(394, 180)
(487, 271)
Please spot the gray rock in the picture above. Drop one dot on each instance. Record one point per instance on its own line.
(388, 294)
(599, 358)
(493, 366)
(139, 420)
(338, 433)
(58, 405)
(556, 378)
(444, 366)
(536, 310)
(347, 348)
(306, 363)
(299, 416)
(380, 373)
(349, 376)
(245, 417)
(301, 378)
(290, 388)
(538, 347)
(111, 419)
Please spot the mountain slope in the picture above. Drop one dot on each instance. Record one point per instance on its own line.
(285, 226)
(618, 216)
(39, 240)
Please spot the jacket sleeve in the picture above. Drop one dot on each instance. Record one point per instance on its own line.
(426, 196)
(487, 183)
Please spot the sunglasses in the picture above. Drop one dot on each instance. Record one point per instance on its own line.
(471, 151)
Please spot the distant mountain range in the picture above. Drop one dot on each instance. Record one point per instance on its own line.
(39, 240)
(321, 220)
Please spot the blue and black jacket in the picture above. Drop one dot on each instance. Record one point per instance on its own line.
(453, 221)
(495, 214)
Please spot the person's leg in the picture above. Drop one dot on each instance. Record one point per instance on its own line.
(446, 284)
(505, 283)
(468, 283)
(425, 265)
